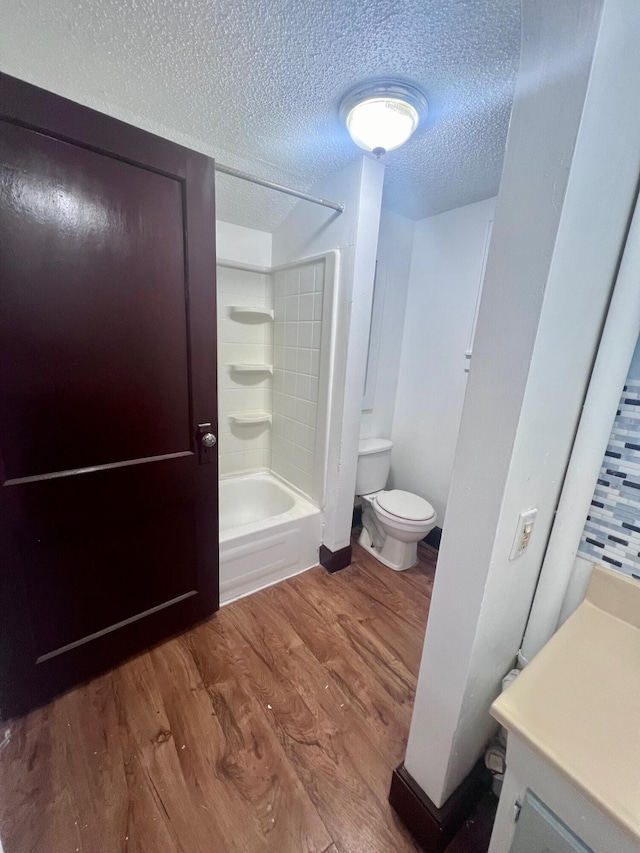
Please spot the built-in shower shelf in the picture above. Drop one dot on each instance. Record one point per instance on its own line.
(247, 310)
(252, 368)
(251, 418)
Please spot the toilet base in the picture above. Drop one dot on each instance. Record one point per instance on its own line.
(394, 554)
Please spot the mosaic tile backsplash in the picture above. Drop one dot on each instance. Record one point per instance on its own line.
(611, 535)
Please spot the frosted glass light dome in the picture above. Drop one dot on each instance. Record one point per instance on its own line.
(382, 123)
(382, 116)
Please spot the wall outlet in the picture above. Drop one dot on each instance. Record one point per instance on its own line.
(524, 529)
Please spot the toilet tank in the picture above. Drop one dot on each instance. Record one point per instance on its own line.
(374, 462)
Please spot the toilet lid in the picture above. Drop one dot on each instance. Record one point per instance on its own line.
(405, 505)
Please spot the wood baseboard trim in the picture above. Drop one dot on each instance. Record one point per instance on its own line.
(333, 561)
(432, 827)
(434, 538)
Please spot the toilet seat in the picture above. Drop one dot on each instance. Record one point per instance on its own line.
(404, 506)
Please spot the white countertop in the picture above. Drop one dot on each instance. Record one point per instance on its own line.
(577, 703)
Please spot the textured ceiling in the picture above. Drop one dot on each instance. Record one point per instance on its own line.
(257, 83)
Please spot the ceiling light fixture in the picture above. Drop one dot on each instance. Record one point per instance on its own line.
(382, 115)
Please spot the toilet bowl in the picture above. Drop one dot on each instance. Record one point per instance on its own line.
(393, 522)
(389, 536)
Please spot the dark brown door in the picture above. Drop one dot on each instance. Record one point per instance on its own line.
(108, 501)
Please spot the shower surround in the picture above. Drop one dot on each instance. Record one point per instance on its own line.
(299, 292)
(274, 343)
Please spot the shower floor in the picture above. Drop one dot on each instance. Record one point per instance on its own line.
(273, 726)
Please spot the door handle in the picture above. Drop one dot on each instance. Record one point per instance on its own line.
(206, 442)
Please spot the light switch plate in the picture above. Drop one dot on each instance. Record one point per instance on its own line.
(524, 531)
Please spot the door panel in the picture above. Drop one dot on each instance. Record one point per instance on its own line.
(108, 525)
(107, 560)
(94, 254)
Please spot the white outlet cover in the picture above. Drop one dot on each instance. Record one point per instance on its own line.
(524, 518)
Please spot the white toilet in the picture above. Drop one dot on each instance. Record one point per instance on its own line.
(392, 522)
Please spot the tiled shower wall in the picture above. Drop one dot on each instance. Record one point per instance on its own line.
(248, 340)
(299, 295)
(611, 534)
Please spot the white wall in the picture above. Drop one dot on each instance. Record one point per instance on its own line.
(560, 223)
(243, 245)
(446, 271)
(311, 230)
(395, 245)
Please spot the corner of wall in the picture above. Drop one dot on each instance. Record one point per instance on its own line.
(394, 250)
(445, 279)
(353, 315)
(243, 245)
(514, 443)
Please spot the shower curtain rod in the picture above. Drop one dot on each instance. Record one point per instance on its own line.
(253, 179)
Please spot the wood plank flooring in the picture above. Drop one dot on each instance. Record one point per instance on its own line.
(273, 726)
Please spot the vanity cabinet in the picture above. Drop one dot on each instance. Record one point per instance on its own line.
(573, 746)
(538, 830)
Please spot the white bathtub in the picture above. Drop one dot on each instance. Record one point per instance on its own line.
(268, 532)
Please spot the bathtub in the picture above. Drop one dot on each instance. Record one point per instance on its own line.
(268, 532)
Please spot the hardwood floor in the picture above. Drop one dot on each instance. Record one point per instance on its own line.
(273, 726)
